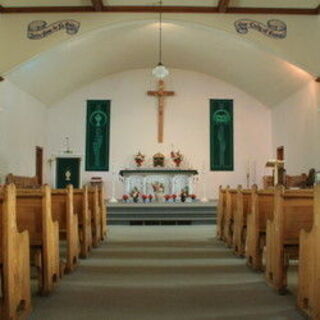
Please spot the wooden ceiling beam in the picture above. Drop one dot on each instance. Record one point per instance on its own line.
(97, 5)
(156, 9)
(223, 6)
(66, 9)
(281, 11)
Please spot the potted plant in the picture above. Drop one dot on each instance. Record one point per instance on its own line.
(150, 197)
(125, 197)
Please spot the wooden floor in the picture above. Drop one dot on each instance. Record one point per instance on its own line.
(167, 273)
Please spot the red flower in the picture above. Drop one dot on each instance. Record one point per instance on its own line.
(144, 197)
(193, 197)
(125, 197)
(174, 196)
(150, 196)
(167, 197)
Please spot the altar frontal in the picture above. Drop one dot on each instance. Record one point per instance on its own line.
(159, 182)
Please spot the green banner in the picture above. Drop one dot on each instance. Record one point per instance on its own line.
(221, 135)
(98, 135)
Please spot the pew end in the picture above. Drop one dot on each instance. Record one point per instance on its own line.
(292, 213)
(14, 261)
(63, 212)
(243, 206)
(262, 202)
(308, 298)
(35, 215)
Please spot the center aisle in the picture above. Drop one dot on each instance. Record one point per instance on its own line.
(167, 273)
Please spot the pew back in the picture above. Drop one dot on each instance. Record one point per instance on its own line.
(23, 182)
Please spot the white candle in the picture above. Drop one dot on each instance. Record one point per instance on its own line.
(248, 166)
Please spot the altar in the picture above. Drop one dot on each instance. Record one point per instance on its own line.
(174, 181)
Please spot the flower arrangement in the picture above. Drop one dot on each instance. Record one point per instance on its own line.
(174, 197)
(139, 159)
(184, 194)
(125, 197)
(167, 197)
(193, 197)
(144, 197)
(150, 196)
(176, 157)
(135, 193)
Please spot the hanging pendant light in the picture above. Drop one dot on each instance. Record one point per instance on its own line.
(160, 71)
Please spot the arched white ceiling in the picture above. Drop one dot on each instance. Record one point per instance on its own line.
(63, 69)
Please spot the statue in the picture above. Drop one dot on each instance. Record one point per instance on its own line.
(158, 189)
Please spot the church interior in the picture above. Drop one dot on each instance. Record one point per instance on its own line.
(160, 159)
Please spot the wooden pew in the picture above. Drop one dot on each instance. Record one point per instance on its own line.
(308, 299)
(63, 212)
(34, 214)
(22, 182)
(243, 206)
(293, 211)
(262, 203)
(14, 260)
(221, 212)
(231, 206)
(103, 213)
(81, 208)
(94, 207)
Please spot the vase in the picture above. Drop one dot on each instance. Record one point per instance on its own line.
(139, 163)
(135, 199)
(178, 164)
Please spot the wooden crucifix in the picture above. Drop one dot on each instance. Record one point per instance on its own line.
(161, 93)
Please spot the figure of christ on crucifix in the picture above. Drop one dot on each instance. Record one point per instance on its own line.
(161, 93)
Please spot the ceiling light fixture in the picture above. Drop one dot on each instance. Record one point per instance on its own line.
(160, 71)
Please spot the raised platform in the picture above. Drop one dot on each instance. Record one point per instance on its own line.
(162, 213)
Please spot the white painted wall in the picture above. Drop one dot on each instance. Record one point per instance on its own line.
(296, 126)
(134, 124)
(22, 128)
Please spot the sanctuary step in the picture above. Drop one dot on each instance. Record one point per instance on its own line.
(197, 213)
